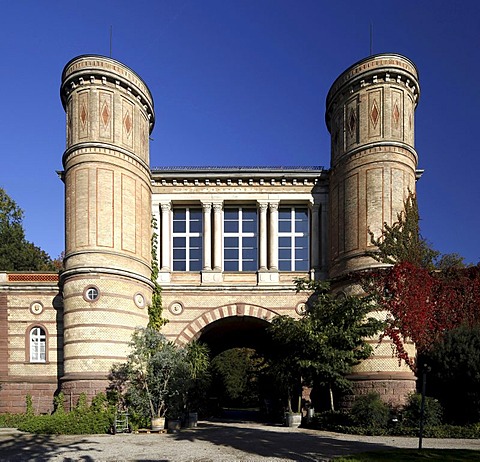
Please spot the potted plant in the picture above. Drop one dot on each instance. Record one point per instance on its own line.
(293, 419)
(150, 374)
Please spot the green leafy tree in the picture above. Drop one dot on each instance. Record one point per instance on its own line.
(199, 376)
(450, 261)
(159, 378)
(236, 372)
(454, 376)
(16, 253)
(323, 345)
(402, 241)
(153, 377)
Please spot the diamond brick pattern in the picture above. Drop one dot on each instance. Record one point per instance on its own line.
(396, 114)
(374, 113)
(105, 114)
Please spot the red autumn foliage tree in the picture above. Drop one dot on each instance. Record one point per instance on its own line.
(425, 294)
(422, 304)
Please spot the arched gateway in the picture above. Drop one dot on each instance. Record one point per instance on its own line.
(233, 314)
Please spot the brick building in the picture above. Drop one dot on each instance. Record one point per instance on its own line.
(230, 240)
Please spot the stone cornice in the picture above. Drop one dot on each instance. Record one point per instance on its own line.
(80, 271)
(384, 68)
(238, 176)
(379, 147)
(105, 149)
(100, 70)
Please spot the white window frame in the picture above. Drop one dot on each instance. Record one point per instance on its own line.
(292, 234)
(240, 234)
(38, 345)
(187, 235)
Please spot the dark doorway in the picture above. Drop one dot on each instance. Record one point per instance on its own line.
(241, 385)
(235, 332)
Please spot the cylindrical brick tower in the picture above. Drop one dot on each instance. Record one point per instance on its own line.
(106, 282)
(370, 115)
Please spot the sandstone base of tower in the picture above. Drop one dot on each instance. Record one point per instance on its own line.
(13, 395)
(393, 388)
(74, 385)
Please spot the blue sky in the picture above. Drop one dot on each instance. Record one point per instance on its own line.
(243, 82)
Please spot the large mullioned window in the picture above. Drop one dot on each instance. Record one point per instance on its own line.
(187, 239)
(38, 343)
(293, 239)
(240, 248)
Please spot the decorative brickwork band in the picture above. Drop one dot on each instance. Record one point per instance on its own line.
(192, 331)
(32, 277)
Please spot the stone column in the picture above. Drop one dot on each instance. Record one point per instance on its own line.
(166, 240)
(324, 237)
(263, 206)
(207, 236)
(315, 237)
(273, 247)
(217, 236)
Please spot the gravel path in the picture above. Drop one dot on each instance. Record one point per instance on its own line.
(210, 441)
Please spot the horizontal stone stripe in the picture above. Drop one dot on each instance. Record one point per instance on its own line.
(96, 341)
(140, 315)
(96, 357)
(234, 292)
(107, 326)
(22, 349)
(103, 294)
(79, 376)
(22, 335)
(23, 362)
(387, 375)
(30, 379)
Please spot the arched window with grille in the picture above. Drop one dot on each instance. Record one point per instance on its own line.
(38, 345)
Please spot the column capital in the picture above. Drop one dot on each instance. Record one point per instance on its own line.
(166, 206)
(262, 205)
(273, 206)
(207, 206)
(217, 206)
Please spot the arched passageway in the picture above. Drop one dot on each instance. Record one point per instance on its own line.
(240, 387)
(235, 332)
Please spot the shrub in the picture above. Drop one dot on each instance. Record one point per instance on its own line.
(432, 412)
(29, 405)
(84, 419)
(59, 403)
(370, 411)
(71, 423)
(11, 420)
(331, 420)
(455, 374)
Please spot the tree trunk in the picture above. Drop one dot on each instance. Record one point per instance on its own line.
(332, 406)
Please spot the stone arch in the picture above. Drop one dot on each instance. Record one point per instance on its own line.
(193, 329)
